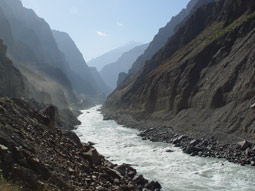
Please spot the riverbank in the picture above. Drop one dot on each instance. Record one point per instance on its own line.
(37, 155)
(209, 144)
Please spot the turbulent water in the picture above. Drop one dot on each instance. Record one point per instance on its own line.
(175, 171)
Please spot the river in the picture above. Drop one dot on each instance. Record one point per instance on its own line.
(175, 171)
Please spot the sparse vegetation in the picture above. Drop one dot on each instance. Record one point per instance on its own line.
(8, 186)
(214, 32)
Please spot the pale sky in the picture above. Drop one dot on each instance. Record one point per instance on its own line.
(98, 26)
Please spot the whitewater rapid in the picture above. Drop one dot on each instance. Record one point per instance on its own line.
(175, 170)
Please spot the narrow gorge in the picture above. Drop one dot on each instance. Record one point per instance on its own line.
(93, 98)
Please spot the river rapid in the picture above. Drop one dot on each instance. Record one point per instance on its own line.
(175, 171)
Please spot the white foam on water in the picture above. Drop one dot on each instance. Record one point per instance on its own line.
(175, 171)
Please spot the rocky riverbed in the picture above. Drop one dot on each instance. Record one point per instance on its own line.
(212, 144)
(35, 153)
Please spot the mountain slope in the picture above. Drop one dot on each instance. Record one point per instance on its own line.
(84, 82)
(72, 54)
(12, 82)
(33, 49)
(111, 56)
(164, 34)
(111, 71)
(99, 81)
(202, 80)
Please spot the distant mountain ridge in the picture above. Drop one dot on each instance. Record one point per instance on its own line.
(111, 56)
(110, 72)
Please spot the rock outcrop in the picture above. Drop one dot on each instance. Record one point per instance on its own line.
(40, 157)
(202, 80)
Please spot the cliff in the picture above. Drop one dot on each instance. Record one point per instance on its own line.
(33, 50)
(202, 80)
(163, 35)
(85, 82)
(12, 83)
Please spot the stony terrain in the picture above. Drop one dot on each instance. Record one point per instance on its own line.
(35, 153)
(217, 145)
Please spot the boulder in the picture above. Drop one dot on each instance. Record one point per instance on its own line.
(3, 148)
(193, 150)
(244, 144)
(126, 170)
(140, 180)
(91, 143)
(72, 136)
(179, 139)
(93, 156)
(113, 173)
(194, 142)
(153, 185)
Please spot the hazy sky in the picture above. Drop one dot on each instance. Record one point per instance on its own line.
(98, 26)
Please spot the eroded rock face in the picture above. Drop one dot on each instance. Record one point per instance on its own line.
(203, 79)
(41, 157)
(11, 80)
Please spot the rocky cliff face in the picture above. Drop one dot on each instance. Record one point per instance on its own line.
(33, 50)
(111, 71)
(202, 81)
(84, 80)
(163, 35)
(32, 32)
(12, 82)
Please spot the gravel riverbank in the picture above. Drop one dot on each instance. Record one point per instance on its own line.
(216, 144)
